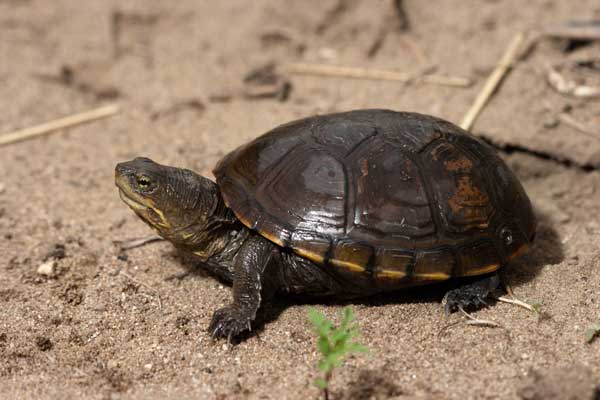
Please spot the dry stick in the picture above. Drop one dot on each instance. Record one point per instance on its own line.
(479, 322)
(126, 275)
(513, 300)
(517, 302)
(375, 74)
(505, 64)
(579, 127)
(576, 30)
(133, 243)
(57, 124)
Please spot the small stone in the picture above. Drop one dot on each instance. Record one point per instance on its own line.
(327, 53)
(148, 366)
(112, 364)
(47, 268)
(115, 396)
(100, 307)
(43, 343)
(551, 122)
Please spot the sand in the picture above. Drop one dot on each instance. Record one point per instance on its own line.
(102, 327)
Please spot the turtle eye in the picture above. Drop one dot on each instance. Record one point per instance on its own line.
(143, 182)
(507, 236)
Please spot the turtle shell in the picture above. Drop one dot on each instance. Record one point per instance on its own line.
(393, 196)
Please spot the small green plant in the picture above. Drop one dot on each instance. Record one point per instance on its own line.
(334, 344)
(592, 332)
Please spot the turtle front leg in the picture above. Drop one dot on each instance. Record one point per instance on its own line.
(249, 266)
(472, 295)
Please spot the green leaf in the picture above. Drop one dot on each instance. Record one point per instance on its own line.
(334, 359)
(316, 318)
(324, 346)
(358, 348)
(321, 383)
(324, 365)
(334, 342)
(326, 327)
(348, 316)
(339, 335)
(592, 332)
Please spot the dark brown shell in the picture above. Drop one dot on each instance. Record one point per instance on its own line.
(388, 195)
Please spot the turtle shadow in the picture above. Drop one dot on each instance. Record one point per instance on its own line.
(371, 384)
(547, 250)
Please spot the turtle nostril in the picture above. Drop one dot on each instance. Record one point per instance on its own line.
(507, 236)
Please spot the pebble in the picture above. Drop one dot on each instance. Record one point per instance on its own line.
(112, 364)
(100, 307)
(47, 268)
(327, 53)
(148, 366)
(550, 122)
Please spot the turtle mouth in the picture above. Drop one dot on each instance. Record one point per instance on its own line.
(129, 197)
(132, 202)
(143, 207)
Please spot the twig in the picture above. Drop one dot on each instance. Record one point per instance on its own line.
(403, 20)
(332, 16)
(446, 327)
(479, 322)
(575, 30)
(505, 64)
(517, 302)
(513, 300)
(400, 22)
(126, 275)
(375, 74)
(133, 243)
(61, 123)
(579, 127)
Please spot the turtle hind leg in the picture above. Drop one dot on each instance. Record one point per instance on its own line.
(472, 295)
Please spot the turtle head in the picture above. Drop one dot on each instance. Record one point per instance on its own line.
(169, 199)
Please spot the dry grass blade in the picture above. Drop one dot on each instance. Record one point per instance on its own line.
(517, 302)
(479, 322)
(579, 127)
(506, 62)
(374, 74)
(62, 123)
(575, 30)
(133, 243)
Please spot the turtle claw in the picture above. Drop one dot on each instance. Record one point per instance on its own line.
(228, 322)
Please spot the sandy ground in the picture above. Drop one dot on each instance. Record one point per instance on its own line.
(105, 328)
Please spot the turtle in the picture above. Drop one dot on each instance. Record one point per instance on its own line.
(341, 205)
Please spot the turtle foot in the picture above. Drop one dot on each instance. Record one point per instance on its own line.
(228, 322)
(471, 296)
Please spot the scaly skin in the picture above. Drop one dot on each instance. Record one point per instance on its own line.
(188, 210)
